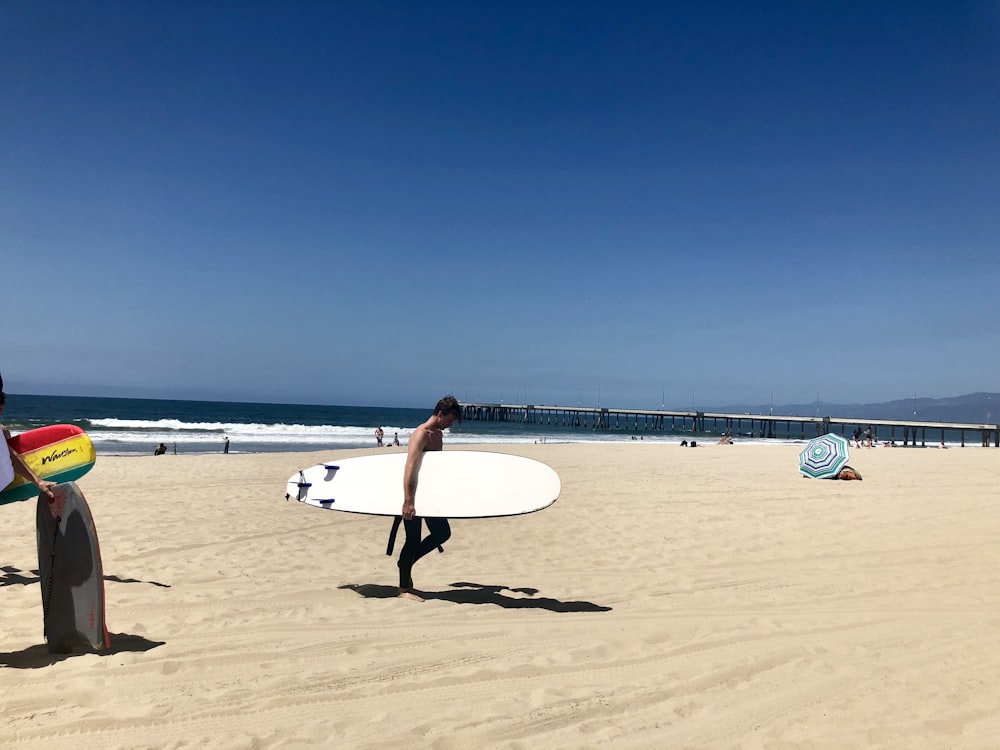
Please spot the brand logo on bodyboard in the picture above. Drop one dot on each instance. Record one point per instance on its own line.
(57, 454)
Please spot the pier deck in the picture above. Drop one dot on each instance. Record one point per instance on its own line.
(753, 425)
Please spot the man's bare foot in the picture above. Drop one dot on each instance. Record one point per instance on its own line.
(408, 594)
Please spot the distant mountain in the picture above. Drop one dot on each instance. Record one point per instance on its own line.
(972, 408)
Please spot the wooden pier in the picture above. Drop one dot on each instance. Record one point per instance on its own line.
(747, 425)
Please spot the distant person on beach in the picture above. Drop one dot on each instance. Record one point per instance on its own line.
(161, 449)
(225, 444)
(857, 437)
(11, 462)
(378, 436)
(868, 437)
(427, 437)
(395, 439)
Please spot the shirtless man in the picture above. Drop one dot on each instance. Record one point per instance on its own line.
(11, 463)
(427, 437)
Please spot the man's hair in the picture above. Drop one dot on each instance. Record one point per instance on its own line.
(449, 405)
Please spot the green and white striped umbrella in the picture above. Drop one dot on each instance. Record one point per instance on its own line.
(824, 456)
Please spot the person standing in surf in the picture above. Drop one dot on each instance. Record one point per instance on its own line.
(11, 462)
(427, 437)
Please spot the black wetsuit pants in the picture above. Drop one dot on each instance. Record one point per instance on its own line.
(415, 548)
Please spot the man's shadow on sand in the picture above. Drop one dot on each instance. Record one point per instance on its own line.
(477, 593)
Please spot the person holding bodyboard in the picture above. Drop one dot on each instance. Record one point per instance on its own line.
(426, 437)
(69, 559)
(11, 462)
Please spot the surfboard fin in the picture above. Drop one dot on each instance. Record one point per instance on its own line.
(303, 486)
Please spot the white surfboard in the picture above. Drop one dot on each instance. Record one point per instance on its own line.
(451, 484)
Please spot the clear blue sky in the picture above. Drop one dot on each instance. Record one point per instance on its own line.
(380, 202)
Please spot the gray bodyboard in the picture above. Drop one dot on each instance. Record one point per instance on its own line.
(72, 577)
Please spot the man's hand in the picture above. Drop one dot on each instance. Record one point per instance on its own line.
(409, 510)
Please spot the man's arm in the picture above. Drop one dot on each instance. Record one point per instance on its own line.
(414, 456)
(21, 468)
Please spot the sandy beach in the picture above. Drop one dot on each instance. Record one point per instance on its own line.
(671, 598)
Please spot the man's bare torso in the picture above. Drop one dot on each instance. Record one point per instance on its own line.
(433, 437)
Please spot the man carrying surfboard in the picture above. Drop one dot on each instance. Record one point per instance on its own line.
(427, 437)
(11, 462)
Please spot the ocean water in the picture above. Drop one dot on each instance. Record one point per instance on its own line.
(128, 426)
